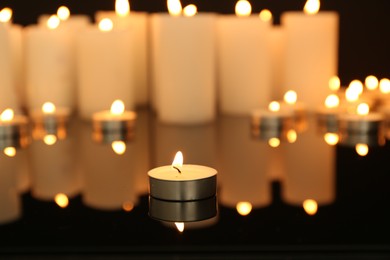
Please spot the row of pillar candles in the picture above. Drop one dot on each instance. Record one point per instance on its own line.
(172, 61)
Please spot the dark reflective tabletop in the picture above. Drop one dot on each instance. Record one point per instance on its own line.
(258, 209)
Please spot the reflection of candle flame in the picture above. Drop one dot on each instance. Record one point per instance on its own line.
(50, 139)
(243, 8)
(5, 15)
(384, 86)
(274, 106)
(312, 6)
(371, 82)
(362, 149)
(274, 142)
(363, 109)
(190, 10)
(122, 8)
(53, 22)
(62, 200)
(7, 115)
(290, 97)
(119, 147)
(334, 83)
(106, 25)
(292, 136)
(244, 208)
(63, 13)
(265, 15)
(174, 7)
(48, 108)
(310, 206)
(179, 226)
(332, 101)
(10, 151)
(331, 138)
(128, 206)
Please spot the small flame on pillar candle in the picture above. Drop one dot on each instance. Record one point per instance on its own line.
(334, 83)
(312, 7)
(371, 82)
(106, 25)
(274, 106)
(310, 206)
(63, 13)
(351, 94)
(265, 15)
(50, 139)
(190, 10)
(363, 109)
(7, 115)
(244, 208)
(331, 138)
(117, 107)
(243, 8)
(292, 136)
(180, 226)
(362, 149)
(62, 200)
(178, 161)
(174, 7)
(274, 142)
(5, 14)
(332, 101)
(48, 108)
(357, 86)
(384, 86)
(122, 8)
(53, 22)
(10, 151)
(290, 97)
(119, 147)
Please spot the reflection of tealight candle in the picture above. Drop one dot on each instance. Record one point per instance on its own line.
(114, 124)
(178, 182)
(13, 129)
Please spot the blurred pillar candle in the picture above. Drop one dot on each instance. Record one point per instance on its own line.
(11, 79)
(49, 61)
(244, 60)
(311, 52)
(184, 68)
(277, 44)
(104, 68)
(137, 22)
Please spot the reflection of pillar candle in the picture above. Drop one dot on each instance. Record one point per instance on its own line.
(103, 68)
(310, 170)
(138, 23)
(184, 69)
(10, 62)
(243, 63)
(49, 65)
(310, 53)
(243, 165)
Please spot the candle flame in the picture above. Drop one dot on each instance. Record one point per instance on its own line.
(243, 8)
(178, 160)
(351, 94)
(292, 136)
(174, 7)
(371, 82)
(48, 108)
(332, 101)
(265, 15)
(63, 13)
(290, 97)
(362, 149)
(190, 10)
(5, 14)
(312, 7)
(106, 25)
(7, 115)
(384, 86)
(10, 151)
(310, 206)
(363, 109)
(274, 106)
(128, 206)
(122, 8)
(331, 138)
(117, 107)
(356, 85)
(119, 147)
(180, 226)
(244, 208)
(50, 139)
(334, 83)
(274, 142)
(53, 22)
(62, 200)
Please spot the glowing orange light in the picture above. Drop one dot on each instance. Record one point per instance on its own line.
(244, 208)
(190, 10)
(174, 7)
(312, 7)
(106, 25)
(122, 8)
(62, 200)
(310, 206)
(243, 8)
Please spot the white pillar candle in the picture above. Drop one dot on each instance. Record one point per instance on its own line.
(11, 78)
(244, 60)
(277, 48)
(311, 53)
(184, 68)
(138, 24)
(104, 65)
(49, 64)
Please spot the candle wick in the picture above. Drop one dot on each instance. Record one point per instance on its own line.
(176, 169)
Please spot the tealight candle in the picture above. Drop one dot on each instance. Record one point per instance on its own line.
(327, 116)
(114, 124)
(179, 182)
(298, 109)
(13, 129)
